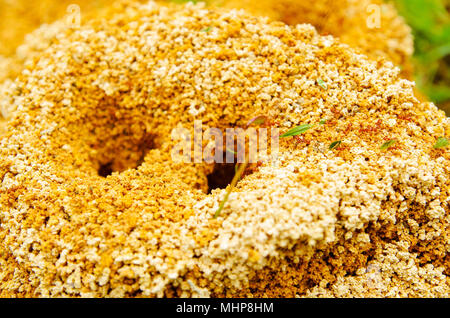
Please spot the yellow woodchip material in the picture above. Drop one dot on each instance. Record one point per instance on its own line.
(355, 221)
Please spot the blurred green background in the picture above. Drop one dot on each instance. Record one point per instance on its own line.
(430, 23)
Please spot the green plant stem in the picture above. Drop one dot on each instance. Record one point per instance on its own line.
(233, 183)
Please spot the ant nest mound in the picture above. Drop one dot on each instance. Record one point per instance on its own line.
(92, 204)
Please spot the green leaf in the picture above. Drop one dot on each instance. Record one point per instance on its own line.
(322, 122)
(388, 144)
(297, 131)
(441, 142)
(335, 145)
(207, 29)
(322, 84)
(259, 120)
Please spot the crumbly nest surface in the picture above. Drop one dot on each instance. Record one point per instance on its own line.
(372, 26)
(355, 22)
(356, 221)
(352, 21)
(20, 17)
